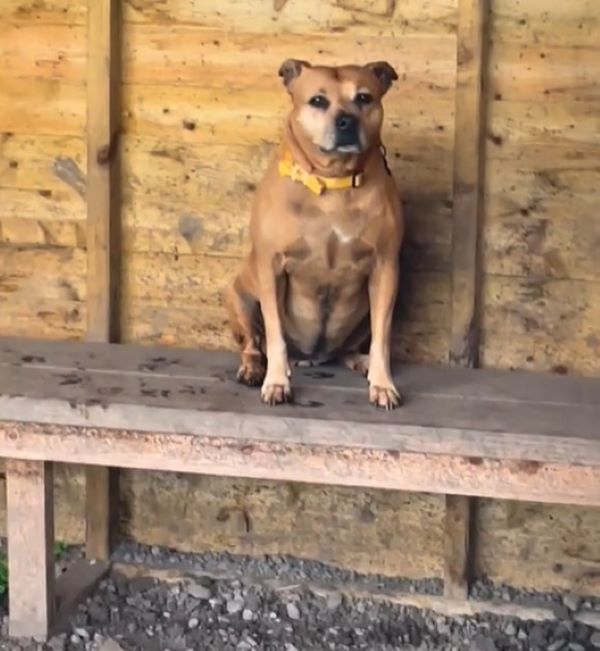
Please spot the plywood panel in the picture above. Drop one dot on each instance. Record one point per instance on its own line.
(42, 106)
(541, 324)
(53, 51)
(30, 231)
(542, 220)
(38, 162)
(538, 123)
(193, 56)
(541, 72)
(574, 23)
(542, 293)
(65, 12)
(246, 115)
(559, 545)
(42, 292)
(303, 16)
(43, 187)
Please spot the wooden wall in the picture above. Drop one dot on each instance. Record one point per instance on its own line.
(541, 292)
(202, 106)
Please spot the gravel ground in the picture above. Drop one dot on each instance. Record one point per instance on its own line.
(265, 604)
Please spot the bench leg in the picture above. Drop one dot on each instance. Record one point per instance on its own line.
(102, 503)
(30, 524)
(457, 546)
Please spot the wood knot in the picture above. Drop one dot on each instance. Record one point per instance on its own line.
(106, 153)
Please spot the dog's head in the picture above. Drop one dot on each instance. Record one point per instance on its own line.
(338, 109)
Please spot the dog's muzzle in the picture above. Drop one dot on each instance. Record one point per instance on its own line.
(347, 133)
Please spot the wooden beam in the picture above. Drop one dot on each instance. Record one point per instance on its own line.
(467, 189)
(338, 465)
(457, 543)
(30, 524)
(103, 232)
(467, 184)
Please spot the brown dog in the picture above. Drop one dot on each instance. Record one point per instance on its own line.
(326, 230)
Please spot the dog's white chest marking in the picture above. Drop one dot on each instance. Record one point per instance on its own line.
(342, 236)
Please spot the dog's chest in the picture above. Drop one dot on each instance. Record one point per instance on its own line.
(329, 246)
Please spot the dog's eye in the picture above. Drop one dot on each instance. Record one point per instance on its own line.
(362, 99)
(319, 101)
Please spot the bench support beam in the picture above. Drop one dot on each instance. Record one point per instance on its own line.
(30, 520)
(457, 546)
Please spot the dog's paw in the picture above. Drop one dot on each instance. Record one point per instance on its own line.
(251, 374)
(276, 393)
(384, 397)
(357, 362)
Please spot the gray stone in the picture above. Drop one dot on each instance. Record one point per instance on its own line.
(334, 600)
(193, 623)
(595, 640)
(234, 606)
(537, 635)
(198, 591)
(510, 629)
(589, 618)
(293, 611)
(247, 615)
(57, 643)
(575, 646)
(110, 645)
(483, 643)
(571, 601)
(557, 645)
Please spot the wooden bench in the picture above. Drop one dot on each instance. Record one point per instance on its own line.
(462, 432)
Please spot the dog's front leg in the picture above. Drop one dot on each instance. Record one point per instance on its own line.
(276, 386)
(383, 288)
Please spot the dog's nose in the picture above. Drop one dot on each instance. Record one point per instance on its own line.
(345, 122)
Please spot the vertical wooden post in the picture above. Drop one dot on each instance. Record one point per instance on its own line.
(467, 186)
(30, 524)
(103, 234)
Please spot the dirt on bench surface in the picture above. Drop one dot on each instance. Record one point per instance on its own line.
(220, 602)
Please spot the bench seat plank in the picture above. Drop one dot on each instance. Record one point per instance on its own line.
(487, 433)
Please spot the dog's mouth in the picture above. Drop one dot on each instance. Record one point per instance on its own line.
(342, 149)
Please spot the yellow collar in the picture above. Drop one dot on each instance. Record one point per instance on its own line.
(317, 184)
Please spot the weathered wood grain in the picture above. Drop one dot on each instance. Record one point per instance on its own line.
(574, 23)
(252, 116)
(559, 483)
(560, 122)
(44, 106)
(544, 73)
(30, 519)
(189, 55)
(539, 323)
(65, 12)
(38, 162)
(42, 291)
(54, 51)
(303, 17)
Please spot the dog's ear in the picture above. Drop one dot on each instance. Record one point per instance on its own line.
(385, 74)
(291, 69)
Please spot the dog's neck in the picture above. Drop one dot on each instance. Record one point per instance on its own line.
(330, 165)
